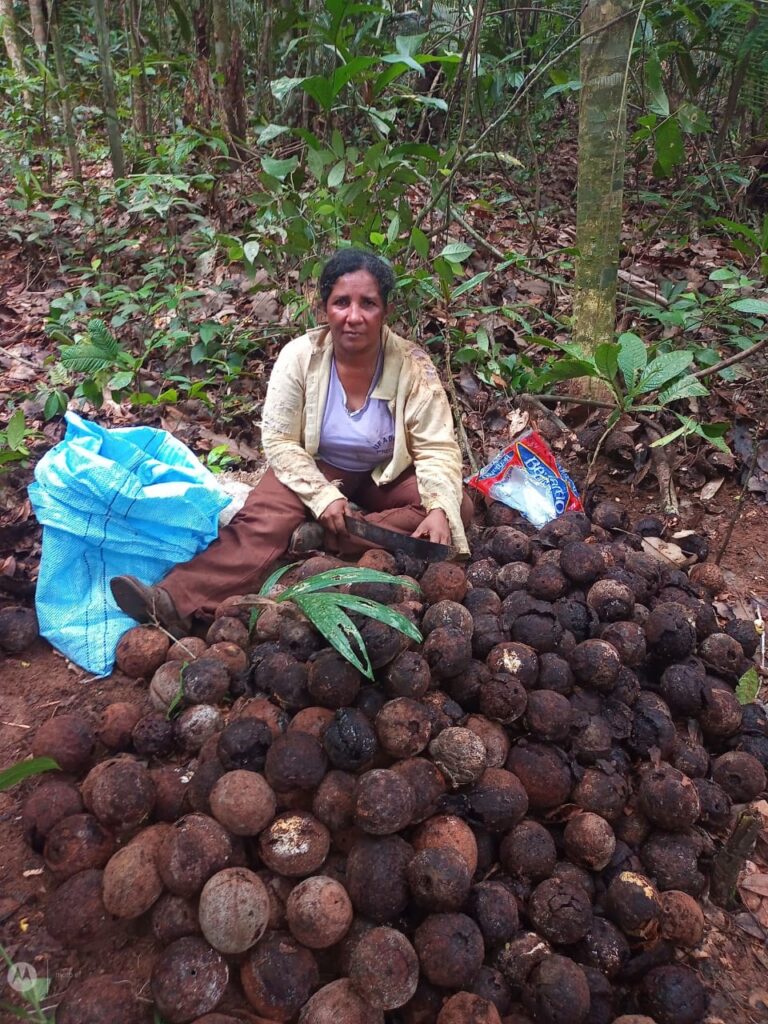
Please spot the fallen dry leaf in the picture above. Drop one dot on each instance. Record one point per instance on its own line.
(710, 489)
(748, 924)
(665, 551)
(756, 882)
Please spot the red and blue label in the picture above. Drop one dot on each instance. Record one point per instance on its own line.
(531, 453)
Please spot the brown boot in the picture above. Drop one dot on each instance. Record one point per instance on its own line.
(148, 604)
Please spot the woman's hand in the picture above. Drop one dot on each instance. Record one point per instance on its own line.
(332, 517)
(435, 528)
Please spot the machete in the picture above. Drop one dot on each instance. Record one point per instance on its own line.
(390, 540)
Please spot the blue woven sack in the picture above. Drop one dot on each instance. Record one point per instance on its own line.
(131, 500)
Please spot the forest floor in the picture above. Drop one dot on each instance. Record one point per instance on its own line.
(40, 683)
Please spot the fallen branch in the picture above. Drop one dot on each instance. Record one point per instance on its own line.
(533, 402)
(645, 289)
(730, 860)
(9, 358)
(731, 360)
(590, 403)
(662, 469)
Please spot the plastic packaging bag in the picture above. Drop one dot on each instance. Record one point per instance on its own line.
(131, 500)
(526, 476)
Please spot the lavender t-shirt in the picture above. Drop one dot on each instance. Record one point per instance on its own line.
(356, 441)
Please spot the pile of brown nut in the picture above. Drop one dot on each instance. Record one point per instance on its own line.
(513, 824)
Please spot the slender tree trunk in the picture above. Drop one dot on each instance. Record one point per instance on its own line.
(13, 47)
(108, 90)
(70, 139)
(605, 53)
(265, 65)
(163, 33)
(228, 58)
(199, 95)
(39, 22)
(740, 70)
(139, 83)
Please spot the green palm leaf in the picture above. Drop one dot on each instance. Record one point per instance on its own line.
(381, 612)
(339, 577)
(328, 618)
(272, 579)
(24, 769)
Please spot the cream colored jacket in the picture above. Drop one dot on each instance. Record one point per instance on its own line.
(424, 436)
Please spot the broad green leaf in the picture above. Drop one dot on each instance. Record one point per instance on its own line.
(672, 436)
(55, 404)
(279, 169)
(724, 274)
(758, 307)
(85, 358)
(569, 369)
(121, 380)
(420, 149)
(632, 358)
(336, 174)
(394, 229)
(670, 150)
(346, 72)
(715, 434)
(14, 432)
(467, 286)
(433, 102)
(456, 252)
(686, 387)
(251, 249)
(101, 336)
(281, 87)
(659, 103)
(400, 60)
(381, 612)
(337, 628)
(340, 577)
(748, 686)
(664, 368)
(269, 132)
(606, 358)
(692, 119)
(409, 45)
(25, 769)
(712, 432)
(573, 85)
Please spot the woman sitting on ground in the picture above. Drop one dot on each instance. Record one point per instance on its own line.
(353, 413)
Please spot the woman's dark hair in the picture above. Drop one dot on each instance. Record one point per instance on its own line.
(348, 261)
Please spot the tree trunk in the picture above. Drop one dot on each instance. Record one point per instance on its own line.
(108, 90)
(199, 99)
(228, 58)
(13, 47)
(139, 83)
(66, 110)
(39, 22)
(741, 67)
(605, 53)
(163, 30)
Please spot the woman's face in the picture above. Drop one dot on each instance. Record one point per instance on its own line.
(356, 313)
